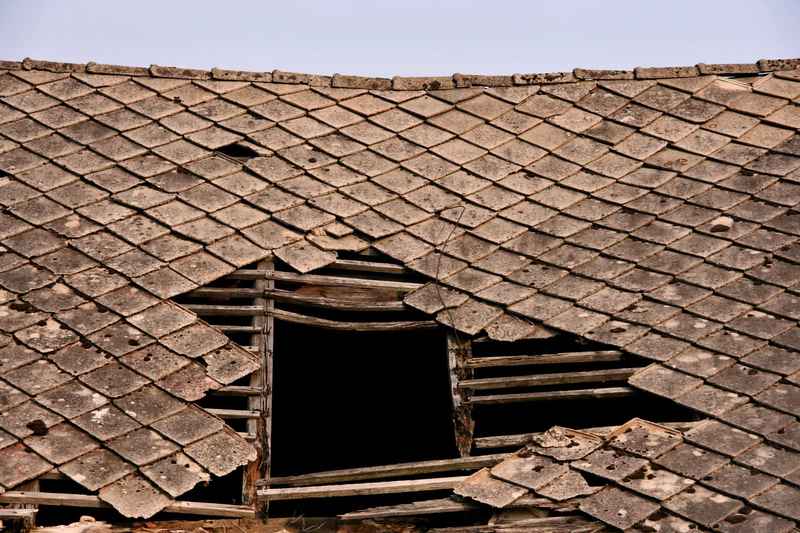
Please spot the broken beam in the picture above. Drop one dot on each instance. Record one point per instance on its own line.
(578, 394)
(559, 378)
(361, 489)
(521, 439)
(406, 325)
(85, 500)
(368, 266)
(545, 359)
(316, 279)
(387, 471)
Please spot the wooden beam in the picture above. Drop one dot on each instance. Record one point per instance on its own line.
(387, 471)
(255, 402)
(337, 304)
(225, 292)
(579, 394)
(545, 359)
(91, 501)
(540, 380)
(368, 266)
(459, 351)
(443, 506)
(521, 439)
(361, 489)
(334, 281)
(237, 390)
(278, 295)
(407, 325)
(236, 414)
(549, 524)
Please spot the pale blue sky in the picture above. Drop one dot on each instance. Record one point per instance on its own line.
(406, 37)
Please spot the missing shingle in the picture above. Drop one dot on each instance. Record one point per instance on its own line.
(238, 151)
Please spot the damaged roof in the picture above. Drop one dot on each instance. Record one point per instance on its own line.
(654, 210)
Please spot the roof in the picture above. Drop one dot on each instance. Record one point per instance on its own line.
(654, 210)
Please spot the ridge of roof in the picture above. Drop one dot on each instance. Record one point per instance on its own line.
(412, 83)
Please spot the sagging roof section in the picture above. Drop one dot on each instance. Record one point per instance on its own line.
(655, 211)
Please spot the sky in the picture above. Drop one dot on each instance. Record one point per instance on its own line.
(401, 37)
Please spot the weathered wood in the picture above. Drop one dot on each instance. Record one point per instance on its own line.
(521, 439)
(291, 297)
(406, 325)
(338, 304)
(361, 489)
(226, 310)
(237, 390)
(266, 346)
(236, 414)
(444, 506)
(225, 292)
(550, 524)
(368, 266)
(316, 279)
(578, 394)
(545, 359)
(90, 501)
(558, 378)
(386, 471)
(255, 402)
(459, 351)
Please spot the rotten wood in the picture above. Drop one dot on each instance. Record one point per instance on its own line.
(89, 501)
(558, 378)
(387, 471)
(297, 298)
(459, 351)
(405, 325)
(579, 394)
(236, 414)
(255, 402)
(549, 524)
(521, 439)
(545, 359)
(360, 489)
(368, 266)
(316, 279)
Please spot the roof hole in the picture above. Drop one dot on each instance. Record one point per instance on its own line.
(238, 151)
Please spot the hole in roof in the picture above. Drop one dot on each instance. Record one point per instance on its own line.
(237, 151)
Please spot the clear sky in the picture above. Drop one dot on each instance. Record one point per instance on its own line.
(405, 37)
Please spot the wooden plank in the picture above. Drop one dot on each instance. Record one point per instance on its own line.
(335, 281)
(368, 266)
(236, 414)
(387, 471)
(545, 359)
(540, 380)
(267, 346)
(91, 501)
(255, 402)
(406, 325)
(227, 310)
(291, 297)
(237, 390)
(521, 439)
(338, 304)
(225, 292)
(459, 351)
(449, 505)
(361, 489)
(578, 394)
(420, 508)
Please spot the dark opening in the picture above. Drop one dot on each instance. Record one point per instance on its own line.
(346, 399)
(238, 151)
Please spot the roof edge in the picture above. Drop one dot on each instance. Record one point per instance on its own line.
(404, 83)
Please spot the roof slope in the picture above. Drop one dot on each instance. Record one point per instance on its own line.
(654, 210)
